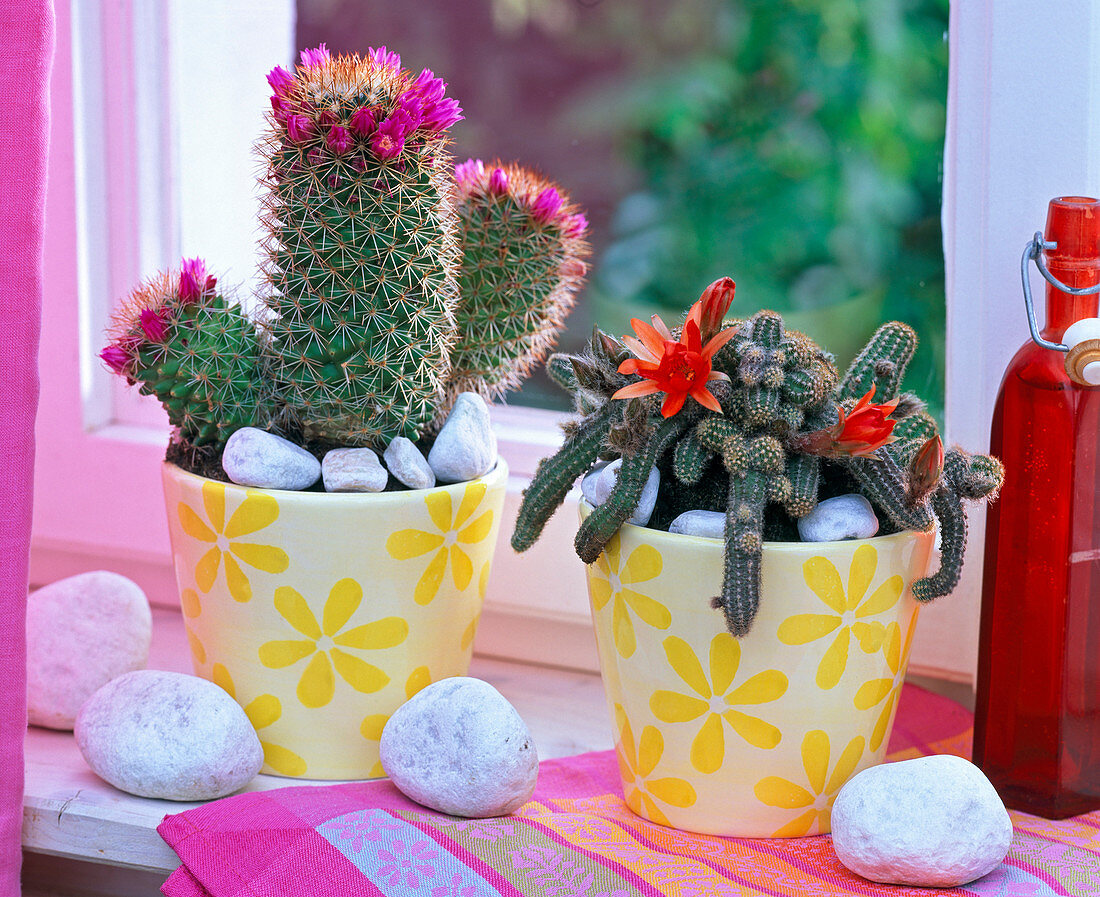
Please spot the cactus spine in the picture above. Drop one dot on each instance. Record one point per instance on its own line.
(182, 342)
(361, 246)
(363, 260)
(522, 262)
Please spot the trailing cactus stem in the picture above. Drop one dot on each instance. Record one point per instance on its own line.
(953, 531)
(740, 596)
(555, 476)
(598, 528)
(920, 426)
(881, 363)
(690, 459)
(885, 482)
(804, 472)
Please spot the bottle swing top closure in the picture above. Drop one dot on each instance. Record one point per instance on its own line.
(1082, 338)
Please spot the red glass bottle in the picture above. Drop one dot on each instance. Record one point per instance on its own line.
(1037, 717)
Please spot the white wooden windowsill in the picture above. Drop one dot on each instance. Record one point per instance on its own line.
(69, 813)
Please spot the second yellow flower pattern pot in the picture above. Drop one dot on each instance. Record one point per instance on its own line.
(751, 737)
(323, 613)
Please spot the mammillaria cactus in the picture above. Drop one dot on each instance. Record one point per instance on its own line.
(753, 420)
(361, 244)
(523, 253)
(367, 240)
(178, 337)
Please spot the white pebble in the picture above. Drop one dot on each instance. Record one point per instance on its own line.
(82, 632)
(843, 517)
(708, 524)
(601, 481)
(254, 457)
(459, 747)
(353, 470)
(466, 447)
(408, 464)
(591, 485)
(930, 822)
(167, 735)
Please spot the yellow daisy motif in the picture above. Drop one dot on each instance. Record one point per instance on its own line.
(323, 643)
(192, 607)
(258, 510)
(817, 800)
(611, 581)
(848, 611)
(714, 699)
(455, 530)
(372, 726)
(262, 712)
(636, 766)
(876, 691)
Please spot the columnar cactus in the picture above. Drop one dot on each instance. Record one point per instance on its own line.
(523, 253)
(200, 356)
(365, 336)
(361, 245)
(783, 425)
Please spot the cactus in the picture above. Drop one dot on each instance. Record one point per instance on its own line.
(786, 428)
(361, 246)
(522, 262)
(363, 257)
(182, 342)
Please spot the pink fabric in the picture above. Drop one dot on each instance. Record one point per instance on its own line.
(574, 838)
(26, 55)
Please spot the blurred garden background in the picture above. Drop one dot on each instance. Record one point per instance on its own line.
(796, 146)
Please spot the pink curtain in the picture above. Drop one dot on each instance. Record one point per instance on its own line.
(26, 54)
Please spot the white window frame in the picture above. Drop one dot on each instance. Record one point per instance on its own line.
(137, 192)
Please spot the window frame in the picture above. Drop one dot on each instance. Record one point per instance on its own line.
(130, 186)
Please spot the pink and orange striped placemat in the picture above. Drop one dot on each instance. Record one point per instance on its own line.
(575, 838)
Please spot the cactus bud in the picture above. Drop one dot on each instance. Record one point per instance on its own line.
(498, 181)
(925, 470)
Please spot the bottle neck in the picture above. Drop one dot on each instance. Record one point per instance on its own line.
(1064, 309)
(1073, 223)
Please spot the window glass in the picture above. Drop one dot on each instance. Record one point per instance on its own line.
(795, 146)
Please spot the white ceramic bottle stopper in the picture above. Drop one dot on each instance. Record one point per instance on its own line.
(1083, 357)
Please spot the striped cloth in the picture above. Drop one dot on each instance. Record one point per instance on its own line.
(575, 838)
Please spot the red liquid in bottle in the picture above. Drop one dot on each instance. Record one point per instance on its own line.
(1037, 718)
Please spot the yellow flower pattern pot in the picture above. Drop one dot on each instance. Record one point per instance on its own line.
(323, 613)
(751, 737)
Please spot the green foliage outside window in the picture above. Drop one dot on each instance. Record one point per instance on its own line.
(799, 151)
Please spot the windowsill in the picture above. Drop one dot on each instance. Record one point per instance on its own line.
(69, 812)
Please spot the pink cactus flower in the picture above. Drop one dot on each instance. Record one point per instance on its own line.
(326, 118)
(116, 358)
(498, 181)
(574, 225)
(411, 108)
(299, 128)
(363, 122)
(442, 115)
(193, 280)
(469, 173)
(338, 140)
(384, 58)
(389, 139)
(546, 205)
(154, 325)
(317, 56)
(280, 80)
(428, 87)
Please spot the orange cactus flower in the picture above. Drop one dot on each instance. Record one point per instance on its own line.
(861, 431)
(679, 368)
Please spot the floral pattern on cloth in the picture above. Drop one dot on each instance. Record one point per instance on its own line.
(577, 837)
